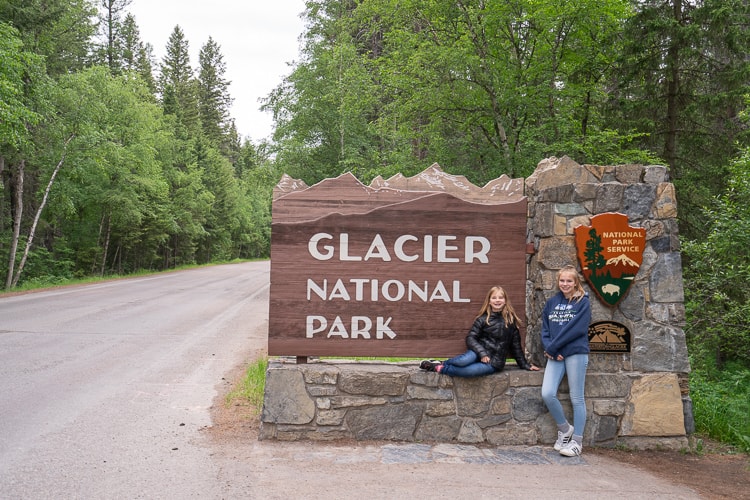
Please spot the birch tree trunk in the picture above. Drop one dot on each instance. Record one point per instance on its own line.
(32, 230)
(18, 202)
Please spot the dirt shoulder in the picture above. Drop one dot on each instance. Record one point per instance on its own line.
(715, 473)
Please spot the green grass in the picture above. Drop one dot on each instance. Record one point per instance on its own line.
(251, 387)
(721, 404)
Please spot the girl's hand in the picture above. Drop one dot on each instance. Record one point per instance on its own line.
(534, 368)
(485, 359)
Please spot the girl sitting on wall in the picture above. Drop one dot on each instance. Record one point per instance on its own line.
(493, 336)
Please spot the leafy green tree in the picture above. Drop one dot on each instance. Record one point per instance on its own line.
(680, 83)
(716, 274)
(22, 88)
(112, 197)
(59, 30)
(487, 88)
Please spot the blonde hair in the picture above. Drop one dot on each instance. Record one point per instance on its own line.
(509, 314)
(579, 292)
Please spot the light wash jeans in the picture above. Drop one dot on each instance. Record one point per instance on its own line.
(466, 365)
(575, 368)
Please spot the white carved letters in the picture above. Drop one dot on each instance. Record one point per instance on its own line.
(442, 248)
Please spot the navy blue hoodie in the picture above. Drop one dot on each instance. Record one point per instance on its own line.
(565, 326)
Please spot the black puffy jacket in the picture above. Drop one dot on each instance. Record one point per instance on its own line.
(497, 341)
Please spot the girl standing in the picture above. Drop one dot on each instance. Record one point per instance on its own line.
(492, 337)
(565, 323)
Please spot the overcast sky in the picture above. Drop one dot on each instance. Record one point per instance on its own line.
(258, 38)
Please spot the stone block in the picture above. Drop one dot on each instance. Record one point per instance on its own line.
(554, 253)
(629, 174)
(440, 429)
(379, 422)
(607, 385)
(638, 200)
(512, 436)
(321, 390)
(673, 314)
(330, 417)
(658, 347)
(421, 392)
(375, 381)
(519, 378)
(470, 432)
(543, 224)
(527, 404)
(655, 174)
(608, 197)
(570, 209)
(665, 206)
(473, 395)
(355, 401)
(654, 229)
(673, 443)
(285, 399)
(633, 304)
(666, 279)
(585, 192)
(501, 405)
(561, 225)
(440, 408)
(610, 362)
(613, 407)
(606, 429)
(655, 407)
(493, 420)
(320, 373)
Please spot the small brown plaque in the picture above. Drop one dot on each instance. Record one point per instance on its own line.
(609, 337)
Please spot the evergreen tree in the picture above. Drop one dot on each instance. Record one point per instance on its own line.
(213, 92)
(177, 85)
(136, 55)
(111, 50)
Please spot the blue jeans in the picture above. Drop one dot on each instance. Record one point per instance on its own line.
(466, 365)
(575, 368)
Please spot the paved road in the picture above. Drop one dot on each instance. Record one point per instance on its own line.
(104, 388)
(105, 393)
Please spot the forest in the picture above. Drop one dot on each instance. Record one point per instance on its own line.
(113, 163)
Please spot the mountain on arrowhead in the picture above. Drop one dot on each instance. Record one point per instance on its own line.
(622, 265)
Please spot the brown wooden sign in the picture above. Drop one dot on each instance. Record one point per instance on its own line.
(360, 271)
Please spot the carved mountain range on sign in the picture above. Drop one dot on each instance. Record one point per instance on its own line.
(500, 190)
(294, 201)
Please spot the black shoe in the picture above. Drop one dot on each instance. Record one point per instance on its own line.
(428, 365)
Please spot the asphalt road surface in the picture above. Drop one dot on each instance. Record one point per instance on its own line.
(106, 390)
(103, 388)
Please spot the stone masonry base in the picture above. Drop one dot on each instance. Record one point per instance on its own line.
(363, 400)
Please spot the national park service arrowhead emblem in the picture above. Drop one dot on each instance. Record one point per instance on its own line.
(610, 253)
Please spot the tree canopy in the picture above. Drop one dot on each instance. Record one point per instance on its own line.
(113, 162)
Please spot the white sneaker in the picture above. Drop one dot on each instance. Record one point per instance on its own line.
(563, 438)
(572, 449)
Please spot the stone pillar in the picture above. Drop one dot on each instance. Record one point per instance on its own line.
(563, 195)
